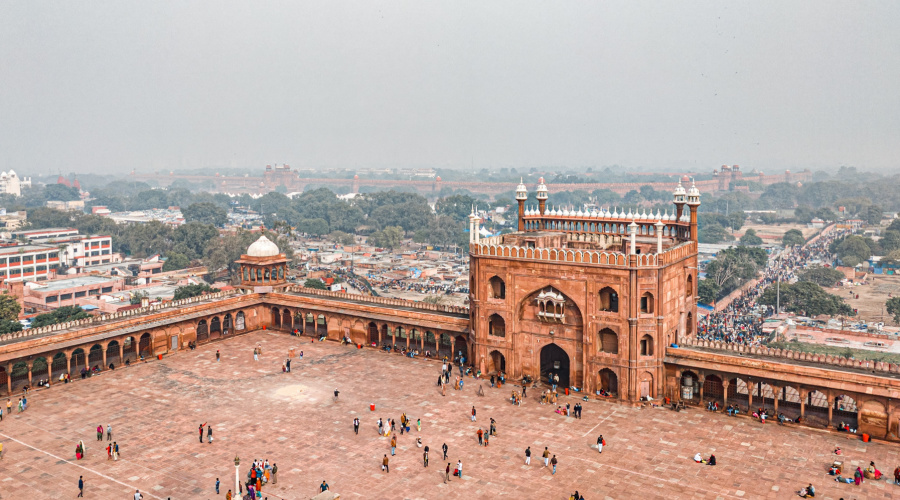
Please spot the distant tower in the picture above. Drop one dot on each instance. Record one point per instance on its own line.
(542, 196)
(474, 226)
(679, 199)
(521, 196)
(355, 187)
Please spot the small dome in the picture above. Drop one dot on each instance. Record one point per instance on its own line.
(438, 178)
(356, 177)
(263, 247)
(679, 190)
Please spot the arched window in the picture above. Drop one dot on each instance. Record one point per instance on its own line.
(647, 345)
(689, 285)
(239, 321)
(647, 303)
(496, 288)
(609, 300)
(496, 326)
(609, 341)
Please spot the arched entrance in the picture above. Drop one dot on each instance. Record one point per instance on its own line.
(77, 362)
(95, 357)
(227, 326)
(322, 326)
(39, 369)
(129, 349)
(373, 333)
(202, 331)
(286, 320)
(59, 365)
(609, 381)
(3, 387)
(555, 360)
(215, 328)
(460, 347)
(498, 362)
(19, 376)
(144, 347)
(276, 318)
(444, 346)
(112, 354)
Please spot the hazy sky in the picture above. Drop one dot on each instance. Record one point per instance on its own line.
(110, 86)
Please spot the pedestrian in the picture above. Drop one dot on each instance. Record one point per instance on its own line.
(1, 450)
(228, 495)
(444, 448)
(419, 424)
(289, 364)
(209, 437)
(81, 486)
(480, 437)
(356, 425)
(554, 462)
(99, 433)
(137, 495)
(109, 432)
(447, 474)
(255, 354)
(109, 452)
(546, 456)
(425, 456)
(217, 486)
(384, 464)
(600, 443)
(201, 431)
(393, 445)
(336, 394)
(324, 485)
(115, 450)
(473, 414)
(528, 456)
(459, 467)
(524, 391)
(217, 360)
(274, 473)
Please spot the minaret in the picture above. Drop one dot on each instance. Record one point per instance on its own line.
(521, 196)
(542, 196)
(693, 201)
(678, 195)
(474, 226)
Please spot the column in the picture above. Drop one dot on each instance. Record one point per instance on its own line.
(406, 330)
(68, 362)
(393, 336)
(830, 407)
(702, 381)
(804, 394)
(750, 386)
(50, 371)
(9, 378)
(29, 374)
(724, 393)
(121, 353)
(105, 364)
(776, 393)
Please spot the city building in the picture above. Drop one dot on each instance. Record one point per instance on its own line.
(10, 183)
(10, 221)
(28, 262)
(76, 250)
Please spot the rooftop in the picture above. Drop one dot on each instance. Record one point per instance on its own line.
(80, 281)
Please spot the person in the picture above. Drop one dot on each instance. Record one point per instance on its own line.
(274, 473)
(217, 360)
(384, 464)
(528, 456)
(109, 432)
(201, 431)
(808, 492)
(447, 473)
(459, 467)
(554, 462)
(418, 442)
(356, 425)
(324, 485)
(425, 457)
(109, 452)
(600, 443)
(546, 456)
(393, 445)
(858, 476)
(137, 495)
(115, 450)
(217, 486)
(444, 449)
(209, 438)
(81, 486)
(473, 414)
(228, 495)
(99, 433)
(480, 437)
(1, 450)
(336, 392)
(712, 460)
(699, 459)
(419, 424)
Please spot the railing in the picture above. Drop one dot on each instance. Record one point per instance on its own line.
(380, 300)
(617, 259)
(825, 359)
(94, 320)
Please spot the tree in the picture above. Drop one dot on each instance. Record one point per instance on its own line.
(206, 213)
(136, 297)
(458, 206)
(315, 283)
(176, 261)
(42, 217)
(736, 220)
(10, 326)
(707, 291)
(713, 233)
(750, 238)
(60, 315)
(893, 308)
(806, 298)
(61, 192)
(389, 237)
(9, 307)
(793, 237)
(890, 241)
(853, 246)
(315, 227)
(873, 215)
(822, 276)
(187, 291)
(342, 238)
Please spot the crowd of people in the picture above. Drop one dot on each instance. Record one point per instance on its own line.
(741, 321)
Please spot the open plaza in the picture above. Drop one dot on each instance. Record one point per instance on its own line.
(259, 412)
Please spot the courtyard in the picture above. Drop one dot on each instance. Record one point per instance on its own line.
(258, 412)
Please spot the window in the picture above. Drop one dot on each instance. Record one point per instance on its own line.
(105, 261)
(609, 341)
(95, 291)
(54, 255)
(647, 303)
(28, 259)
(65, 296)
(497, 326)
(609, 300)
(49, 300)
(41, 268)
(28, 270)
(647, 345)
(41, 256)
(239, 321)
(15, 260)
(3, 273)
(3, 261)
(106, 289)
(105, 252)
(95, 244)
(496, 288)
(78, 295)
(689, 286)
(157, 270)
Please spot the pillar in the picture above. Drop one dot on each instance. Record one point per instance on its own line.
(29, 374)
(121, 352)
(9, 378)
(105, 364)
(831, 408)
(776, 393)
(68, 362)
(49, 370)
(702, 381)
(405, 330)
(750, 387)
(724, 393)
(804, 394)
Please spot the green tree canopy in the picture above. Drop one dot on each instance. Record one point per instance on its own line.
(176, 261)
(750, 238)
(205, 213)
(806, 298)
(60, 315)
(707, 291)
(187, 291)
(315, 283)
(389, 237)
(793, 237)
(822, 276)
(9, 307)
(893, 308)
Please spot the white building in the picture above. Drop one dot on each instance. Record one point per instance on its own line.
(10, 183)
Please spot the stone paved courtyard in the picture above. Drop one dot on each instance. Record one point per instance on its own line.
(259, 412)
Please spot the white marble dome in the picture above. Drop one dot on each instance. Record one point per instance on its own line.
(263, 247)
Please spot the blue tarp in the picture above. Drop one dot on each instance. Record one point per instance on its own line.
(704, 307)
